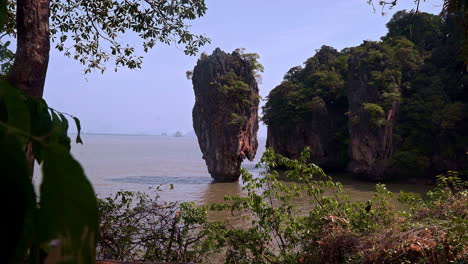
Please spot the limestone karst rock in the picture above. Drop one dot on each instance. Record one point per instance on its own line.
(308, 110)
(371, 138)
(319, 132)
(225, 114)
(386, 109)
(345, 110)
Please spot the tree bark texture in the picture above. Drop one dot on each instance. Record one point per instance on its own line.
(33, 45)
(32, 53)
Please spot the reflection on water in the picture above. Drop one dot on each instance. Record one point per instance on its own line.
(215, 192)
(360, 190)
(137, 163)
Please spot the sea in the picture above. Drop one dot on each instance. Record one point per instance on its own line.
(145, 163)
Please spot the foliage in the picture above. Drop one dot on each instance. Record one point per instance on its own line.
(61, 225)
(232, 84)
(306, 219)
(274, 231)
(432, 108)
(422, 29)
(293, 74)
(91, 31)
(16, 186)
(292, 101)
(7, 26)
(189, 75)
(332, 80)
(455, 16)
(88, 31)
(388, 66)
(6, 57)
(411, 162)
(235, 83)
(252, 58)
(334, 230)
(48, 227)
(285, 105)
(417, 71)
(310, 104)
(237, 120)
(137, 227)
(234, 90)
(355, 120)
(376, 114)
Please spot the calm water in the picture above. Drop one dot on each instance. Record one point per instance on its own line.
(138, 163)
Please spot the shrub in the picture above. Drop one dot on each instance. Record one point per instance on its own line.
(137, 227)
(376, 113)
(327, 228)
(334, 230)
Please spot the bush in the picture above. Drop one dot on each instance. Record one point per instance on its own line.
(137, 227)
(327, 228)
(376, 113)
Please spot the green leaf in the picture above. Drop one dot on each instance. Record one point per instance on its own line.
(68, 207)
(17, 110)
(59, 130)
(64, 123)
(78, 128)
(56, 131)
(3, 12)
(19, 202)
(41, 124)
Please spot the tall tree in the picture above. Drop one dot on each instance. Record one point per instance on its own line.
(91, 32)
(454, 10)
(32, 52)
(46, 229)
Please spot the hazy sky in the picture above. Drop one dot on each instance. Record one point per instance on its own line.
(158, 98)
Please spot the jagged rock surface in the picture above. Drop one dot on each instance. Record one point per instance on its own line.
(405, 103)
(319, 133)
(371, 144)
(225, 114)
(308, 110)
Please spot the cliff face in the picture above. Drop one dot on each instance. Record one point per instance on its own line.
(393, 108)
(308, 110)
(322, 132)
(345, 111)
(225, 114)
(371, 124)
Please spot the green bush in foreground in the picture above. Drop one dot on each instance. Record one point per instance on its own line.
(326, 228)
(135, 226)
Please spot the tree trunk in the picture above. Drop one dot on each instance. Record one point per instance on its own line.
(33, 45)
(32, 53)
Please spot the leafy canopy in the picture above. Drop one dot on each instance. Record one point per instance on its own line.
(92, 31)
(322, 78)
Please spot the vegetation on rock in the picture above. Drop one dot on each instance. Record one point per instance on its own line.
(321, 78)
(225, 114)
(415, 79)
